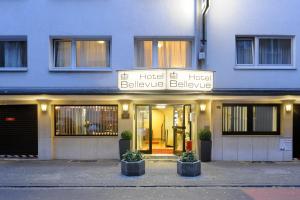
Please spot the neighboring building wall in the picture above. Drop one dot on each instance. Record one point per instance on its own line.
(249, 148)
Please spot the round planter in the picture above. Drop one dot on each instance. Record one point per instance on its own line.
(133, 168)
(190, 169)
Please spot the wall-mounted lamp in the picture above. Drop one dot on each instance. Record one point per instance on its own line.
(202, 107)
(44, 107)
(125, 111)
(288, 107)
(44, 104)
(125, 107)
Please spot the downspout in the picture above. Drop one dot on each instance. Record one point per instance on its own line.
(203, 41)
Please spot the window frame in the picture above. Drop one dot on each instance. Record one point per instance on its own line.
(253, 50)
(81, 135)
(256, 65)
(250, 131)
(73, 66)
(155, 50)
(16, 39)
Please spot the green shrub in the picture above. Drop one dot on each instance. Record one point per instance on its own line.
(204, 134)
(132, 156)
(188, 157)
(126, 135)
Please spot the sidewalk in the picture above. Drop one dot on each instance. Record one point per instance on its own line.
(106, 173)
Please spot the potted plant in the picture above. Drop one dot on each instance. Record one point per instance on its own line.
(133, 164)
(204, 145)
(124, 142)
(188, 165)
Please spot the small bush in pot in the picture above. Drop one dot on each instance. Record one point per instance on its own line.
(204, 145)
(188, 165)
(133, 164)
(124, 142)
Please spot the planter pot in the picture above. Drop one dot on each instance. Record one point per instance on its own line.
(189, 168)
(124, 145)
(204, 148)
(133, 168)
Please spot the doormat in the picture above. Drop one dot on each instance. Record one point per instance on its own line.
(162, 151)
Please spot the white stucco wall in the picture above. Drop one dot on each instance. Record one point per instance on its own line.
(229, 18)
(120, 20)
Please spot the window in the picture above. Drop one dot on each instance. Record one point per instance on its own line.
(144, 54)
(264, 52)
(13, 54)
(81, 53)
(251, 119)
(100, 120)
(244, 50)
(163, 53)
(275, 51)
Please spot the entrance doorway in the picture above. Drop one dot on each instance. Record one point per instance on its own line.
(18, 130)
(162, 129)
(296, 132)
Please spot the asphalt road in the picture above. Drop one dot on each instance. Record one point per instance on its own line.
(149, 193)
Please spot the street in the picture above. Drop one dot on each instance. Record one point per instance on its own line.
(150, 193)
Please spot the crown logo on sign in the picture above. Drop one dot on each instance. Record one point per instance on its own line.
(124, 76)
(173, 75)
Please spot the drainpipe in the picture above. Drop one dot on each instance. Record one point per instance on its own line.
(202, 53)
(203, 41)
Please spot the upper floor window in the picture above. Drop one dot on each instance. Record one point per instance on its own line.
(13, 54)
(275, 51)
(163, 53)
(81, 53)
(263, 52)
(244, 50)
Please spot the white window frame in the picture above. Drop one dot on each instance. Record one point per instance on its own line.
(15, 39)
(73, 66)
(155, 50)
(256, 64)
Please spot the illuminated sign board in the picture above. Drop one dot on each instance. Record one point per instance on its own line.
(165, 79)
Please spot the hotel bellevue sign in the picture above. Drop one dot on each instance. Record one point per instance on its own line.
(165, 79)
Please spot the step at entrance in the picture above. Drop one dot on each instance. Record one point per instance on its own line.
(161, 157)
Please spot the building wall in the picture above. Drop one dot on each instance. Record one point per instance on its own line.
(77, 147)
(229, 18)
(120, 20)
(249, 148)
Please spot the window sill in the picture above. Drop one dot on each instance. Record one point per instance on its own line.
(81, 69)
(13, 69)
(146, 68)
(264, 67)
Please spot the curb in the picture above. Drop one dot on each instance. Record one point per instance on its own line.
(149, 186)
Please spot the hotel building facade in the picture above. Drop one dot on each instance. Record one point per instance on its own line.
(75, 74)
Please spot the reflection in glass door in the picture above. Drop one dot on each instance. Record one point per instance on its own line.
(170, 128)
(143, 128)
(182, 127)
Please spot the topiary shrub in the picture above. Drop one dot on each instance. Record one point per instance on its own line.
(126, 135)
(204, 134)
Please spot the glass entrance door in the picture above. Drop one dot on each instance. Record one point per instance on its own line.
(143, 128)
(182, 127)
(169, 130)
